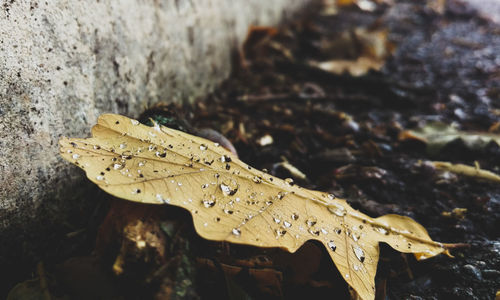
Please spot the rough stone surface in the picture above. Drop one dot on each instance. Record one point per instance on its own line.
(63, 63)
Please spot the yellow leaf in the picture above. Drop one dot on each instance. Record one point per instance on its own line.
(469, 171)
(231, 201)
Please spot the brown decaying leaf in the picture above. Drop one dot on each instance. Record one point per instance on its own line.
(231, 201)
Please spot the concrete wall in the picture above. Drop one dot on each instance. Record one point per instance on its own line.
(63, 63)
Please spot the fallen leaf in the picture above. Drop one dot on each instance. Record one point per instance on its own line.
(231, 201)
(356, 68)
(469, 171)
(356, 52)
(437, 135)
(457, 213)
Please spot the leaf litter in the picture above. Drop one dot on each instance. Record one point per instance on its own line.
(447, 78)
(231, 201)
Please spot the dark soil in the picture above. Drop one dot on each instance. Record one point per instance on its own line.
(343, 133)
(445, 67)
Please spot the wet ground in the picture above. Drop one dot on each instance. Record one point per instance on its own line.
(342, 134)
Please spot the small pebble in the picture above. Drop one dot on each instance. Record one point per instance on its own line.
(473, 271)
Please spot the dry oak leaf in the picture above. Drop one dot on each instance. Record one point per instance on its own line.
(231, 201)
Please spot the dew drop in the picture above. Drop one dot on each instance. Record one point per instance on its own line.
(276, 220)
(332, 246)
(236, 231)
(118, 166)
(356, 268)
(331, 196)
(134, 122)
(204, 186)
(360, 254)
(228, 211)
(381, 230)
(152, 134)
(96, 147)
(142, 163)
(208, 202)
(161, 154)
(311, 221)
(159, 197)
(136, 191)
(203, 147)
(257, 179)
(216, 144)
(356, 236)
(280, 232)
(324, 231)
(337, 209)
(151, 148)
(338, 230)
(123, 145)
(99, 177)
(69, 151)
(229, 189)
(281, 195)
(225, 158)
(289, 181)
(295, 216)
(287, 224)
(76, 156)
(314, 231)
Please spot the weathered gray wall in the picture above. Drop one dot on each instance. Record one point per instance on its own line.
(63, 62)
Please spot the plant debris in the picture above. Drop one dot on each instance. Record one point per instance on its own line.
(343, 133)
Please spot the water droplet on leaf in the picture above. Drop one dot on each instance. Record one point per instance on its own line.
(280, 232)
(209, 202)
(257, 179)
(311, 221)
(360, 254)
(229, 188)
(225, 158)
(337, 209)
(332, 246)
